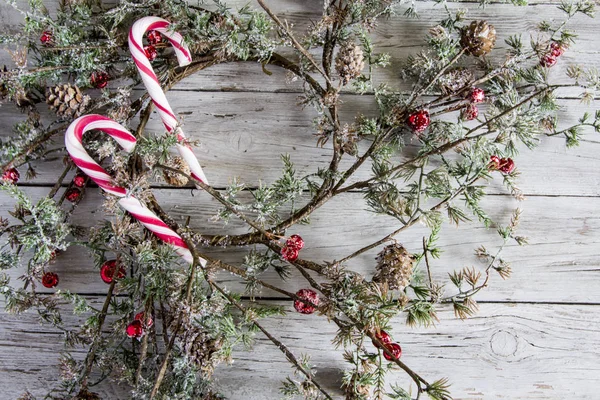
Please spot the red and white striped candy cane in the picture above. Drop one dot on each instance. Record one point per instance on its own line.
(184, 57)
(81, 158)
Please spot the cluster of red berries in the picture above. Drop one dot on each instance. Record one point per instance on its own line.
(140, 324)
(108, 271)
(470, 112)
(11, 175)
(47, 38)
(550, 59)
(292, 248)
(387, 342)
(312, 299)
(504, 165)
(153, 38)
(418, 121)
(73, 194)
(99, 79)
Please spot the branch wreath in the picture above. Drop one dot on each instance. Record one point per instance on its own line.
(200, 320)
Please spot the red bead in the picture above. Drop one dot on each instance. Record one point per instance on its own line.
(506, 165)
(154, 37)
(99, 79)
(295, 242)
(135, 329)
(419, 121)
(107, 271)
(494, 162)
(150, 52)
(73, 194)
(79, 180)
(289, 253)
(395, 349)
(50, 280)
(548, 61)
(311, 296)
(383, 337)
(46, 38)
(470, 112)
(140, 317)
(556, 50)
(477, 95)
(11, 175)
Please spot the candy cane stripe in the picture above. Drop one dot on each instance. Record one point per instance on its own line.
(136, 35)
(81, 158)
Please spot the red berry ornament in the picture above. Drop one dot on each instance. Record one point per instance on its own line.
(556, 50)
(418, 121)
(494, 162)
(506, 166)
(73, 194)
(47, 38)
(50, 280)
(477, 95)
(146, 322)
(11, 175)
(154, 37)
(470, 112)
(383, 337)
(289, 253)
(548, 61)
(99, 79)
(79, 180)
(295, 242)
(135, 329)
(393, 348)
(311, 296)
(150, 52)
(107, 271)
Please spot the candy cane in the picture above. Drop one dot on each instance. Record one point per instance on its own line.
(81, 158)
(184, 57)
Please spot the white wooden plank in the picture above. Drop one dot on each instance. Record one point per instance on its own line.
(563, 233)
(520, 351)
(242, 135)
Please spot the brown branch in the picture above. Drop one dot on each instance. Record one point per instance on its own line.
(296, 44)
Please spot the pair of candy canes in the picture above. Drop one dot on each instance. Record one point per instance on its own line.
(81, 158)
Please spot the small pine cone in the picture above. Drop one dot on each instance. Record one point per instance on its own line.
(349, 62)
(173, 178)
(200, 347)
(394, 267)
(67, 100)
(478, 39)
(454, 80)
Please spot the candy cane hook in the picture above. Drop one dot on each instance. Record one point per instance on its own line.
(184, 57)
(81, 158)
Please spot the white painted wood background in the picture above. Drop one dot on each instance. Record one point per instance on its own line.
(536, 336)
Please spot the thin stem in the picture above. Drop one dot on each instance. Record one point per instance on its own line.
(296, 44)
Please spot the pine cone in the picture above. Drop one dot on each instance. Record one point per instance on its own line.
(67, 100)
(394, 267)
(454, 80)
(349, 62)
(199, 347)
(173, 178)
(478, 39)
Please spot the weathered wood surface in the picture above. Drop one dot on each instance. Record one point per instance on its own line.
(536, 335)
